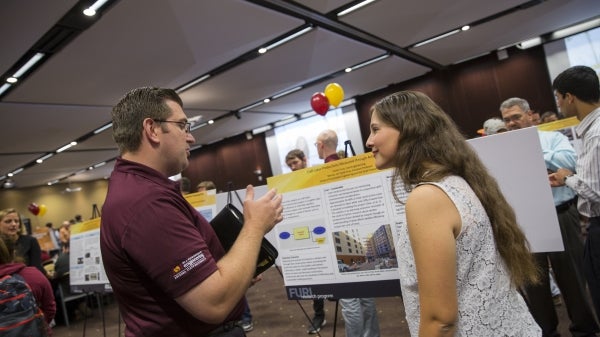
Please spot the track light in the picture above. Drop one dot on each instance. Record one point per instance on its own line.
(91, 11)
(355, 7)
(284, 40)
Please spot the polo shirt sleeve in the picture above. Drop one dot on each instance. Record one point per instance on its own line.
(167, 246)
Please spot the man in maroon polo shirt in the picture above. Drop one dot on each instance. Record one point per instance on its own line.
(165, 264)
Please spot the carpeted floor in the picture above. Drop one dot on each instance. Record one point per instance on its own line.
(274, 315)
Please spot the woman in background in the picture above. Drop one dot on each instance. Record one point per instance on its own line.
(461, 254)
(27, 247)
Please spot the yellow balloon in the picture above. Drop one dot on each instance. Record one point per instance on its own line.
(43, 210)
(334, 93)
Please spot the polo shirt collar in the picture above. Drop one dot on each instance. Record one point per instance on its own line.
(131, 167)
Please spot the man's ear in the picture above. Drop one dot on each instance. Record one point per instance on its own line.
(569, 98)
(150, 131)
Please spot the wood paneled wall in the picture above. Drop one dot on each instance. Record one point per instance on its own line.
(233, 160)
(470, 92)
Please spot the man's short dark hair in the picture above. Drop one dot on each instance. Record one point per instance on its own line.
(579, 81)
(138, 104)
(295, 153)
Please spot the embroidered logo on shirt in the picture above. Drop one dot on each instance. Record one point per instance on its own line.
(187, 265)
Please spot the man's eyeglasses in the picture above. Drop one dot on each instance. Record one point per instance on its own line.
(185, 126)
(513, 118)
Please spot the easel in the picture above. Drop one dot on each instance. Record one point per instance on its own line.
(94, 292)
(95, 211)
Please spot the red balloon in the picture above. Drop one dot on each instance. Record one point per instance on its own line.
(320, 103)
(34, 208)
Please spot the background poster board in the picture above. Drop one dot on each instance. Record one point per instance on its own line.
(349, 202)
(45, 238)
(85, 261)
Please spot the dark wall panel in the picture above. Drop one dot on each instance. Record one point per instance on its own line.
(470, 93)
(235, 159)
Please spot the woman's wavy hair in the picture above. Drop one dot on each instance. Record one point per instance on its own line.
(430, 147)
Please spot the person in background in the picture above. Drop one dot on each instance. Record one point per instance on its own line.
(205, 186)
(185, 185)
(360, 314)
(577, 92)
(197, 289)
(26, 246)
(535, 117)
(296, 160)
(493, 126)
(566, 265)
(458, 236)
(64, 233)
(549, 116)
(37, 281)
(326, 144)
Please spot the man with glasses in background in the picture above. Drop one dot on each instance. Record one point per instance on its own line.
(167, 268)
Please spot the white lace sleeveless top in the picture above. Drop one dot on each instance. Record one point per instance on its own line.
(488, 304)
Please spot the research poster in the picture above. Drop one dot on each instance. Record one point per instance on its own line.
(340, 223)
(86, 268)
(204, 202)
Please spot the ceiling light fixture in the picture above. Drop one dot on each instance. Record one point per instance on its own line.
(366, 63)
(102, 128)
(465, 28)
(262, 129)
(251, 106)
(192, 83)
(287, 120)
(211, 121)
(578, 28)
(12, 80)
(435, 38)
(41, 159)
(17, 171)
(287, 92)
(91, 11)
(196, 127)
(536, 41)
(4, 87)
(8, 184)
(50, 183)
(355, 7)
(72, 189)
(71, 144)
(32, 61)
(285, 39)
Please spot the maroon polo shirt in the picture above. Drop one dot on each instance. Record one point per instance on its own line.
(155, 247)
(331, 158)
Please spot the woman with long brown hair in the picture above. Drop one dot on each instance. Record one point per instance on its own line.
(461, 253)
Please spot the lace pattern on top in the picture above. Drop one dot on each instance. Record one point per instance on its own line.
(488, 304)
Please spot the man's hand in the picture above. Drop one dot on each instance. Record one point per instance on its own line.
(264, 212)
(557, 178)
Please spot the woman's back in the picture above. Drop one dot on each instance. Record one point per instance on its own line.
(488, 303)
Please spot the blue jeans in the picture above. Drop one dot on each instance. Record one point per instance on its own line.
(360, 316)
